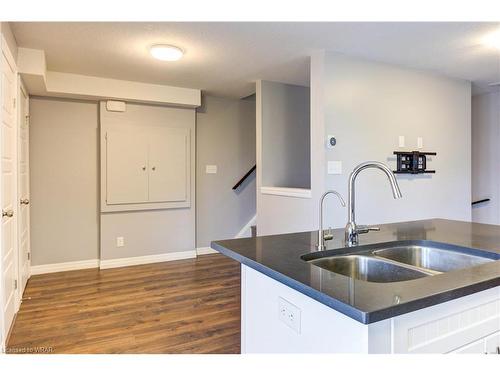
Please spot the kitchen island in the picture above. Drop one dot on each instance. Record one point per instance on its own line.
(291, 302)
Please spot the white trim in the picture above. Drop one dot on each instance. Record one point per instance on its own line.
(8, 55)
(205, 251)
(285, 191)
(133, 261)
(43, 82)
(67, 266)
(246, 231)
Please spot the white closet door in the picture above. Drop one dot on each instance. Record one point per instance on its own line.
(9, 194)
(168, 165)
(126, 167)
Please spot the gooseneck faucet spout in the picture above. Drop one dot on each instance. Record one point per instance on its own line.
(352, 230)
(322, 238)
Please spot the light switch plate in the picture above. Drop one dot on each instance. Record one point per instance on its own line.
(401, 141)
(211, 169)
(335, 167)
(420, 143)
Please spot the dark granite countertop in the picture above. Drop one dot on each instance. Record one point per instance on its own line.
(278, 257)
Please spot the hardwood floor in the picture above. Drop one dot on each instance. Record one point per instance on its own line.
(186, 306)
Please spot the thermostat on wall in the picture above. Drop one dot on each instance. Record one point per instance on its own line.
(330, 141)
(115, 106)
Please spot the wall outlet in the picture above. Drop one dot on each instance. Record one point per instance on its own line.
(211, 169)
(120, 242)
(289, 314)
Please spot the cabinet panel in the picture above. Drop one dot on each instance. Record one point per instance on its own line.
(447, 327)
(476, 347)
(168, 165)
(126, 168)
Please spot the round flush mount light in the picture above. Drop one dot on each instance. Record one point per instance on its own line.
(166, 52)
(492, 39)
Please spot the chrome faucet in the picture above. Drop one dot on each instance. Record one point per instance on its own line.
(352, 230)
(322, 238)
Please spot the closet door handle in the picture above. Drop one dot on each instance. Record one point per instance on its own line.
(154, 168)
(143, 168)
(8, 213)
(25, 201)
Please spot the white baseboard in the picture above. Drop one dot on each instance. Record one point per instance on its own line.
(287, 192)
(113, 263)
(205, 251)
(67, 266)
(134, 261)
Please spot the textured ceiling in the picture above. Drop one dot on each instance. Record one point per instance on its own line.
(226, 58)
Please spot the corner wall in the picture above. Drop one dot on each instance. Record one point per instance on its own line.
(63, 180)
(225, 130)
(485, 162)
(285, 137)
(288, 105)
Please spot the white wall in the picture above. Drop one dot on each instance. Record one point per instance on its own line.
(63, 180)
(277, 213)
(285, 135)
(485, 158)
(150, 232)
(367, 105)
(225, 138)
(64, 155)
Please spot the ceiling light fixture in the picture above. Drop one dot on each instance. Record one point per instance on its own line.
(166, 52)
(492, 39)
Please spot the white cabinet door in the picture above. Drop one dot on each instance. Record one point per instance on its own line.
(493, 344)
(126, 167)
(168, 165)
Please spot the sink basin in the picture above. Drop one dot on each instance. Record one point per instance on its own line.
(398, 260)
(431, 257)
(368, 268)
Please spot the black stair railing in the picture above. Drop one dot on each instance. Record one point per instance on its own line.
(237, 185)
(481, 201)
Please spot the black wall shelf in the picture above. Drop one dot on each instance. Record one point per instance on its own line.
(412, 162)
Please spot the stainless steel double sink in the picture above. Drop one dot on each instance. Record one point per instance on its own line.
(399, 260)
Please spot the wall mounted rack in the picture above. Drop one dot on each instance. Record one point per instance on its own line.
(412, 162)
